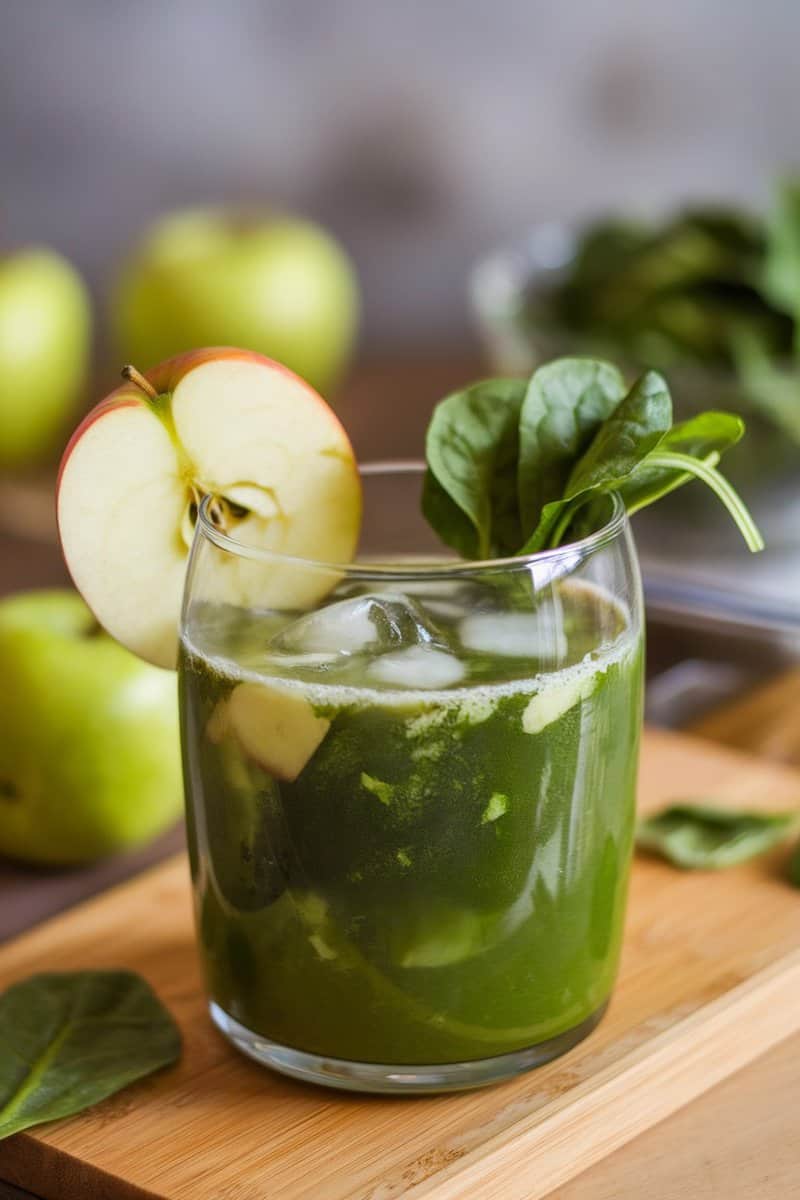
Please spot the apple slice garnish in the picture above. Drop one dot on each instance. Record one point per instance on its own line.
(224, 423)
(275, 726)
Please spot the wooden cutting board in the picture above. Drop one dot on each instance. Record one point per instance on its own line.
(710, 979)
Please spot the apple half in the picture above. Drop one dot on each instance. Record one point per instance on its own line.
(224, 423)
(275, 726)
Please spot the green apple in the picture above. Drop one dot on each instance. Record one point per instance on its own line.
(277, 285)
(45, 335)
(89, 747)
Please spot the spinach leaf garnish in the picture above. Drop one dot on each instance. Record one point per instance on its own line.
(565, 403)
(70, 1040)
(706, 838)
(622, 441)
(515, 468)
(472, 447)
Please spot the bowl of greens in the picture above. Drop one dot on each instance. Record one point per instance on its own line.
(711, 297)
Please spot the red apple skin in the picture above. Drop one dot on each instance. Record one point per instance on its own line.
(165, 377)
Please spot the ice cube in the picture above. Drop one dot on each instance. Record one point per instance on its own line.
(371, 622)
(446, 599)
(538, 634)
(419, 667)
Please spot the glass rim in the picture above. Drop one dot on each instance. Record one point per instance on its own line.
(577, 550)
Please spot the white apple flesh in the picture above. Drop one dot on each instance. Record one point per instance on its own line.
(275, 726)
(224, 423)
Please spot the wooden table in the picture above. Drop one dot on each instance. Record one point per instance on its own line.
(739, 1140)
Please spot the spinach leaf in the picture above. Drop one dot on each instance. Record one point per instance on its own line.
(623, 440)
(635, 428)
(701, 837)
(565, 404)
(512, 468)
(70, 1040)
(472, 448)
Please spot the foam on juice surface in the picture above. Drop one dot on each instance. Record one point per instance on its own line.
(552, 693)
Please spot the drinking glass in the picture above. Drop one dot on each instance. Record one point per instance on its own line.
(410, 789)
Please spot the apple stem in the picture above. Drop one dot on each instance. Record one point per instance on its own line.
(138, 379)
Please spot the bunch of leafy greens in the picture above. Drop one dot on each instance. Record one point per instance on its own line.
(710, 286)
(516, 466)
(69, 1040)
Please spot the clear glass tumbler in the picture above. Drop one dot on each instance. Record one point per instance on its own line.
(410, 788)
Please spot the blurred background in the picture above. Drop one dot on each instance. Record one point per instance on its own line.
(420, 134)
(442, 169)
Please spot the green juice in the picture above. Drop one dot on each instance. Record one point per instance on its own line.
(411, 829)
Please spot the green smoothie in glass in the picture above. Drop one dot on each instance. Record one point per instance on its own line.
(412, 815)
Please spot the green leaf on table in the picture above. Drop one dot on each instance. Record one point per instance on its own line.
(565, 404)
(705, 838)
(69, 1040)
(472, 448)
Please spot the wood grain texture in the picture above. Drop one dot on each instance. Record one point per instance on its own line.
(710, 977)
(764, 722)
(736, 1142)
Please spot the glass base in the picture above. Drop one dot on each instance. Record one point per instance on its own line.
(386, 1079)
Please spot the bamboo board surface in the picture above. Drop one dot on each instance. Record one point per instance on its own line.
(710, 977)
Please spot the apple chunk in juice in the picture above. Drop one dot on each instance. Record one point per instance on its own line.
(414, 849)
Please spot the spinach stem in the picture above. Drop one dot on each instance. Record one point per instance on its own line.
(565, 521)
(712, 459)
(719, 485)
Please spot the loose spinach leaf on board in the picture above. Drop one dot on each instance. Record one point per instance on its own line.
(472, 448)
(565, 404)
(70, 1040)
(701, 837)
